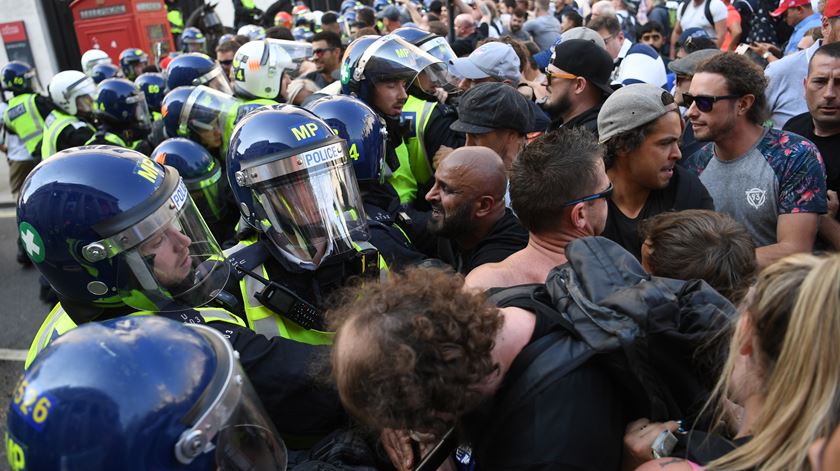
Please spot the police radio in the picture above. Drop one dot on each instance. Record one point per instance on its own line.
(285, 302)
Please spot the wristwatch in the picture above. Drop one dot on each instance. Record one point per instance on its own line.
(766, 55)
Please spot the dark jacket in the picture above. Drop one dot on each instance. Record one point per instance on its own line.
(609, 306)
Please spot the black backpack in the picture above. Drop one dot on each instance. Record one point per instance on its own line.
(653, 334)
(707, 10)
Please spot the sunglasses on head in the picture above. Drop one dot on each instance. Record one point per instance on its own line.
(705, 103)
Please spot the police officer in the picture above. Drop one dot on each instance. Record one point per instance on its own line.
(132, 62)
(429, 118)
(205, 180)
(193, 40)
(153, 86)
(69, 124)
(365, 133)
(137, 245)
(245, 12)
(92, 57)
(126, 404)
(176, 20)
(104, 71)
(124, 117)
(195, 69)
(292, 178)
(381, 71)
(202, 114)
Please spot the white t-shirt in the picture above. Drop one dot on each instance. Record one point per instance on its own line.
(695, 16)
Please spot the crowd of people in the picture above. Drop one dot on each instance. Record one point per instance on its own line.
(562, 235)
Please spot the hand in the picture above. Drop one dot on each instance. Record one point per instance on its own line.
(397, 444)
(833, 203)
(441, 95)
(638, 440)
(441, 154)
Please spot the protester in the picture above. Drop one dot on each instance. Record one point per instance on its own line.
(577, 88)
(821, 125)
(610, 30)
(517, 19)
(640, 127)
(558, 187)
(710, 15)
(698, 244)
(684, 69)
(544, 28)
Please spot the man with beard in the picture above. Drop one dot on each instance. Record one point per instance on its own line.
(468, 210)
(326, 47)
(771, 181)
(517, 19)
(577, 88)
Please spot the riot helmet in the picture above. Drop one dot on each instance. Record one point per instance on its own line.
(193, 40)
(259, 67)
(133, 61)
(201, 173)
(362, 128)
(108, 226)
(292, 178)
(101, 72)
(202, 114)
(153, 86)
(120, 103)
(72, 92)
(253, 32)
(283, 19)
(139, 393)
(19, 77)
(92, 57)
(372, 59)
(436, 46)
(196, 69)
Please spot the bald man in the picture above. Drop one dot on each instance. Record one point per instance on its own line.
(469, 216)
(466, 35)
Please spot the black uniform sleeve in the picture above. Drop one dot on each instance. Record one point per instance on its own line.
(283, 373)
(437, 131)
(73, 137)
(44, 105)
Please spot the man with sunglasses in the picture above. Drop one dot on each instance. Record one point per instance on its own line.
(558, 189)
(576, 88)
(640, 128)
(326, 50)
(771, 181)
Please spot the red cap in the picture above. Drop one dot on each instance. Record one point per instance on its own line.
(832, 8)
(785, 4)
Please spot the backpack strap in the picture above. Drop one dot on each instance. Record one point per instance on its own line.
(707, 10)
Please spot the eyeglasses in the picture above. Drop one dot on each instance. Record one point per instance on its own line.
(604, 194)
(609, 38)
(559, 75)
(705, 103)
(321, 50)
(226, 63)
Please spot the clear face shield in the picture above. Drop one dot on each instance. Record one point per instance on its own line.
(173, 259)
(311, 201)
(82, 92)
(229, 421)
(440, 49)
(142, 115)
(215, 79)
(205, 113)
(393, 58)
(208, 194)
(296, 52)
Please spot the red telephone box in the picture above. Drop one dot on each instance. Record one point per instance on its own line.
(114, 25)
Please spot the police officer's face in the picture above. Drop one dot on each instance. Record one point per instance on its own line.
(389, 97)
(169, 249)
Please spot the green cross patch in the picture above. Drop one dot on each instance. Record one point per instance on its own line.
(32, 242)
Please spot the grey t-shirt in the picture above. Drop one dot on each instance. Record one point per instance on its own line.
(782, 174)
(544, 29)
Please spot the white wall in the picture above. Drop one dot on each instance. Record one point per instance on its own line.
(30, 12)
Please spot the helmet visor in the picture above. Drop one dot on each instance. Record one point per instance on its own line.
(205, 113)
(312, 206)
(392, 58)
(141, 109)
(173, 258)
(295, 51)
(208, 194)
(215, 79)
(230, 420)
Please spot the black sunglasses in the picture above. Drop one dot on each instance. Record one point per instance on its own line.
(604, 194)
(227, 62)
(705, 103)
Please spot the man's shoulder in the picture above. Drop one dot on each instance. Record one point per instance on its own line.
(788, 65)
(487, 276)
(781, 145)
(801, 124)
(698, 161)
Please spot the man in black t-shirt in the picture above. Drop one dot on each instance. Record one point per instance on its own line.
(640, 127)
(821, 125)
(468, 210)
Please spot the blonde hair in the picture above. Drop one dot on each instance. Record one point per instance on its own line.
(795, 314)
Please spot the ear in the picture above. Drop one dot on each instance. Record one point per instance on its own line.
(825, 27)
(578, 216)
(745, 343)
(745, 103)
(581, 85)
(620, 36)
(484, 205)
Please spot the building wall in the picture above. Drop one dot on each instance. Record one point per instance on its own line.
(30, 12)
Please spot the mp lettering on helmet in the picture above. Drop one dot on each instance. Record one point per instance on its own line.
(305, 131)
(147, 169)
(32, 242)
(403, 52)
